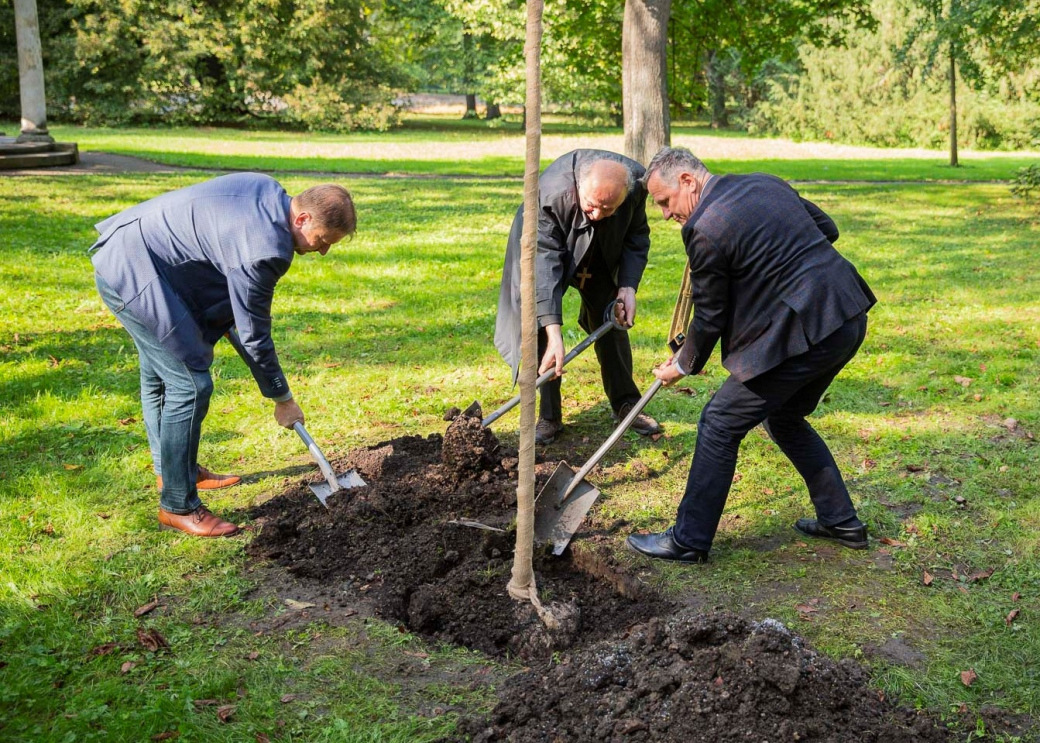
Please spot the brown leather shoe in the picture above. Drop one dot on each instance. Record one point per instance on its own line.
(643, 424)
(206, 480)
(198, 523)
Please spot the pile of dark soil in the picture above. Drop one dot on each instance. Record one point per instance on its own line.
(707, 678)
(401, 543)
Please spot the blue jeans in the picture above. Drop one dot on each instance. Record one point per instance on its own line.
(174, 399)
(780, 399)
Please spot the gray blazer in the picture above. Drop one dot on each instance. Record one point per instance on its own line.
(195, 262)
(565, 234)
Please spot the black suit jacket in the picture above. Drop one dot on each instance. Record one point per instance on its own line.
(767, 280)
(565, 235)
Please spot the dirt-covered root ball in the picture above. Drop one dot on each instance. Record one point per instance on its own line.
(468, 446)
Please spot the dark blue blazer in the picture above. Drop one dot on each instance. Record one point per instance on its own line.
(766, 278)
(195, 262)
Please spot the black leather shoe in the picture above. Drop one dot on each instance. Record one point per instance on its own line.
(546, 431)
(664, 547)
(852, 537)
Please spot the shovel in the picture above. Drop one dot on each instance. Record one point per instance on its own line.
(566, 498)
(609, 322)
(333, 483)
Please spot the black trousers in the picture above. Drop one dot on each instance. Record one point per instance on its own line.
(613, 350)
(780, 399)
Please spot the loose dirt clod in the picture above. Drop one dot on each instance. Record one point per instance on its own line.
(699, 679)
(468, 446)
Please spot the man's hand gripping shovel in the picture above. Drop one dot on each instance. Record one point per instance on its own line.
(333, 482)
(562, 504)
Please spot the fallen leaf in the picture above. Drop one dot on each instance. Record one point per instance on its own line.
(960, 500)
(968, 677)
(105, 649)
(1016, 596)
(168, 735)
(805, 609)
(1010, 424)
(293, 604)
(127, 421)
(963, 708)
(151, 640)
(656, 436)
(205, 702)
(892, 542)
(286, 698)
(868, 463)
(686, 391)
(72, 466)
(224, 713)
(104, 515)
(423, 656)
(927, 578)
(253, 655)
(981, 575)
(963, 381)
(1011, 617)
(262, 738)
(914, 468)
(125, 668)
(801, 544)
(140, 611)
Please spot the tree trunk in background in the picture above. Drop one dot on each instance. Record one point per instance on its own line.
(522, 585)
(644, 77)
(471, 106)
(494, 111)
(716, 92)
(953, 105)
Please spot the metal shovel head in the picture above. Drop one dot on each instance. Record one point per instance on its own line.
(556, 520)
(349, 479)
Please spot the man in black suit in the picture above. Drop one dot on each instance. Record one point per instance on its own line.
(592, 235)
(790, 312)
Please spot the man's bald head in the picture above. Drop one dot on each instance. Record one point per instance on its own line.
(603, 186)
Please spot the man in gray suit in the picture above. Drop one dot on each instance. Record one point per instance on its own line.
(181, 270)
(790, 312)
(592, 235)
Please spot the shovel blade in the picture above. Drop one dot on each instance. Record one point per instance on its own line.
(349, 479)
(556, 520)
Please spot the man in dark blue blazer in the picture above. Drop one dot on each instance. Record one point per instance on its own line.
(790, 312)
(181, 270)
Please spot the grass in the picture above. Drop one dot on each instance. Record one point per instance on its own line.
(385, 333)
(475, 148)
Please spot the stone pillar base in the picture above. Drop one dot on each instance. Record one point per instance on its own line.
(36, 137)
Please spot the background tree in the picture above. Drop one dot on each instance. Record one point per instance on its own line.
(644, 67)
(881, 90)
(974, 36)
(720, 48)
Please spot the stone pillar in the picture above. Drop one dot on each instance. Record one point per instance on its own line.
(30, 73)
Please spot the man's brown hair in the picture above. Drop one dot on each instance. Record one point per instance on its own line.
(331, 206)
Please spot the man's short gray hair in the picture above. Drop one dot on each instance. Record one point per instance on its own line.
(585, 166)
(670, 161)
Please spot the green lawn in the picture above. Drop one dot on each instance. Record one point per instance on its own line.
(385, 333)
(434, 146)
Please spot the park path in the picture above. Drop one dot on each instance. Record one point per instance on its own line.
(105, 163)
